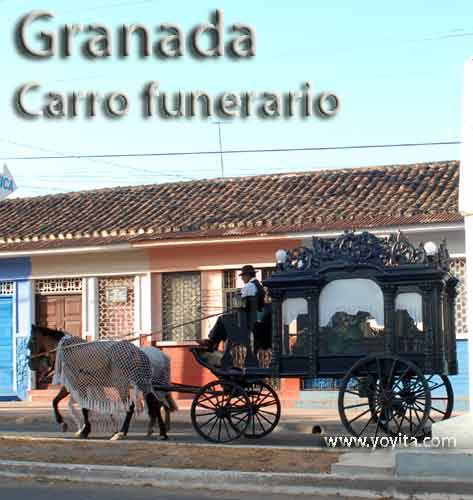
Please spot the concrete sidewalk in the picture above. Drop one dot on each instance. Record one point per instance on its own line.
(366, 486)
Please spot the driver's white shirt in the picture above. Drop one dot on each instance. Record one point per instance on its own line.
(250, 289)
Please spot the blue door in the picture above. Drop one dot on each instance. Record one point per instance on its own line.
(6, 346)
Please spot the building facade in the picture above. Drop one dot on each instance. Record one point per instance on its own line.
(160, 262)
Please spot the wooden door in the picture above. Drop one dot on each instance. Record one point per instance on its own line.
(73, 315)
(60, 312)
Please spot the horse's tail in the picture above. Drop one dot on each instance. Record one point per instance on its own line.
(171, 402)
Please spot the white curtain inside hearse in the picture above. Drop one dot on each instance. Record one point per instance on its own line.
(351, 296)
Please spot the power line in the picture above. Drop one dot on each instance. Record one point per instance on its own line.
(231, 151)
(93, 158)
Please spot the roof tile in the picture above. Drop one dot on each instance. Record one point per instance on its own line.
(319, 200)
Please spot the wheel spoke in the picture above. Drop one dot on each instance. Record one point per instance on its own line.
(366, 425)
(377, 428)
(213, 426)
(356, 406)
(265, 405)
(219, 428)
(265, 418)
(268, 413)
(260, 423)
(391, 373)
(226, 428)
(432, 389)
(354, 393)
(359, 416)
(207, 407)
(206, 414)
(209, 400)
(259, 401)
(417, 415)
(240, 419)
(400, 424)
(401, 377)
(208, 421)
(438, 410)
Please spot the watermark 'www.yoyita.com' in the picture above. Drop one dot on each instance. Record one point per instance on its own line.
(388, 442)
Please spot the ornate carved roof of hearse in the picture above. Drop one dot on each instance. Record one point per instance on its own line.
(358, 198)
(359, 249)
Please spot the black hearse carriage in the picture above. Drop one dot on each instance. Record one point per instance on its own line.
(375, 314)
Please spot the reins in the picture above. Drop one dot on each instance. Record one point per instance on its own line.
(140, 336)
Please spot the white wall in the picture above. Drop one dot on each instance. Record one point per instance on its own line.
(93, 264)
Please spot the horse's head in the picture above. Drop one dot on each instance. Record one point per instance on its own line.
(42, 344)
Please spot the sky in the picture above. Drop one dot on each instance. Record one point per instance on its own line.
(397, 68)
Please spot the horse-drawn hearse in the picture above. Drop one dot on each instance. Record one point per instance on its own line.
(376, 314)
(373, 314)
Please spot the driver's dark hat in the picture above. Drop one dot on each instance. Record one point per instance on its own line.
(248, 271)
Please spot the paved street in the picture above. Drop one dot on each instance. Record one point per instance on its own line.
(294, 429)
(11, 489)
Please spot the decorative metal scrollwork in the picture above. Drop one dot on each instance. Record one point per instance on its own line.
(363, 248)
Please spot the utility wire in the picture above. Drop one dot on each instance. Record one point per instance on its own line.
(93, 158)
(231, 151)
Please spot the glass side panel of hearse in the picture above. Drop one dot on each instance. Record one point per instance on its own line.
(409, 323)
(296, 335)
(351, 317)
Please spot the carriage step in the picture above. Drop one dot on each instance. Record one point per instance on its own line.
(365, 462)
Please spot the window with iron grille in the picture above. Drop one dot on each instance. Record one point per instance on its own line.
(229, 287)
(181, 299)
(58, 285)
(266, 273)
(7, 287)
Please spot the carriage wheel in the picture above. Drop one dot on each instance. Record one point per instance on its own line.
(265, 410)
(442, 400)
(385, 393)
(220, 412)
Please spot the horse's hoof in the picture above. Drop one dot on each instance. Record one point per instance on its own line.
(84, 435)
(64, 427)
(164, 437)
(78, 433)
(119, 436)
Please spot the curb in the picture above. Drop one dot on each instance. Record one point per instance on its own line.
(202, 444)
(250, 482)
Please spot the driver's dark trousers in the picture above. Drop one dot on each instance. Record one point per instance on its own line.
(262, 331)
(217, 334)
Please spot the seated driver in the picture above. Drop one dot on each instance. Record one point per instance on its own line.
(252, 288)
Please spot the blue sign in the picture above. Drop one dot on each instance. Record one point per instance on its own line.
(7, 183)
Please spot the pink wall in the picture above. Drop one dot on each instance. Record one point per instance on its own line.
(234, 254)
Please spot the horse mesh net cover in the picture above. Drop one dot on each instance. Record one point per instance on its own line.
(105, 377)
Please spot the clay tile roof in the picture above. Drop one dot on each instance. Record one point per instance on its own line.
(353, 198)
